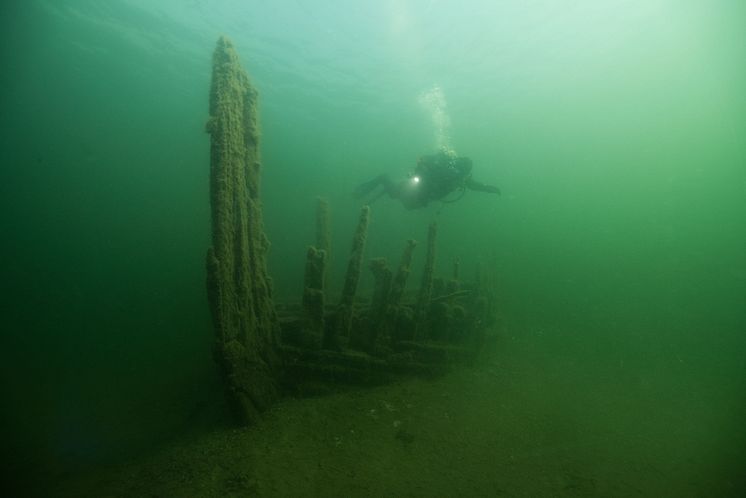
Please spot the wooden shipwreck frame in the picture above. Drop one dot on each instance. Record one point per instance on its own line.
(264, 348)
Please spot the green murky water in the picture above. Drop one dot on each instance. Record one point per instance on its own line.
(616, 131)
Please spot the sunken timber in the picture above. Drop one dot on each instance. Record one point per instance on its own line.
(265, 349)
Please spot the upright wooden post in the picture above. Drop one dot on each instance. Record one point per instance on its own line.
(324, 234)
(352, 277)
(426, 287)
(238, 287)
(313, 297)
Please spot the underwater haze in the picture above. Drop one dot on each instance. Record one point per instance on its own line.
(616, 131)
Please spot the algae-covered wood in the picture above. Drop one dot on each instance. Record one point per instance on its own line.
(238, 286)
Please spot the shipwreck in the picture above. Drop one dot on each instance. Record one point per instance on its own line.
(266, 349)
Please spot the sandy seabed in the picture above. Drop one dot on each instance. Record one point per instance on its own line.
(523, 423)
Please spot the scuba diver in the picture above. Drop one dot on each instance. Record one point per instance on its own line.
(435, 177)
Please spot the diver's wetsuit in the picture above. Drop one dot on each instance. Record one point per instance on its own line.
(433, 179)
